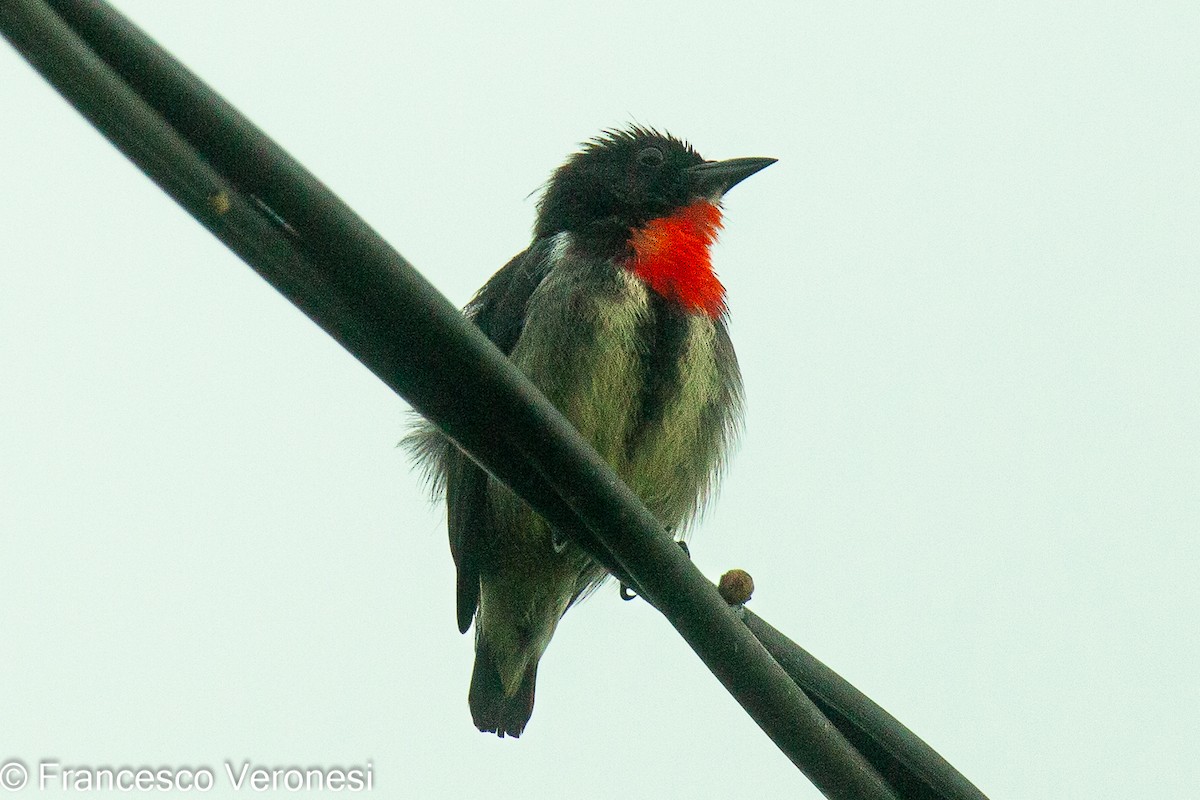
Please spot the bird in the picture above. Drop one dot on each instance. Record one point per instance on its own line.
(615, 313)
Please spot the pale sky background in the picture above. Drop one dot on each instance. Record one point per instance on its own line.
(966, 306)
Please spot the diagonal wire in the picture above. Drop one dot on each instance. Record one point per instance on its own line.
(284, 223)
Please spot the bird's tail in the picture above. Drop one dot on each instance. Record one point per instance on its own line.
(492, 710)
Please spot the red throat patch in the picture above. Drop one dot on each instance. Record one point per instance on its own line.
(671, 255)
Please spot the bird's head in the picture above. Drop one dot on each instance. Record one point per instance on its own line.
(651, 202)
(625, 178)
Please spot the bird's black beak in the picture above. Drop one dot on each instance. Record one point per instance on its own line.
(715, 178)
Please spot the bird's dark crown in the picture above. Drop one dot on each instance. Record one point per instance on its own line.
(619, 181)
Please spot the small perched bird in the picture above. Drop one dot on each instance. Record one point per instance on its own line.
(615, 313)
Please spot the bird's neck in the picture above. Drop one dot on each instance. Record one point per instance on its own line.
(671, 254)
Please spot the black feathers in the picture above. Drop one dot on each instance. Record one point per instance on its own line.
(663, 338)
(499, 307)
(499, 311)
(618, 181)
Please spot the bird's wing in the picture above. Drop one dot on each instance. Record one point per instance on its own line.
(499, 311)
(499, 307)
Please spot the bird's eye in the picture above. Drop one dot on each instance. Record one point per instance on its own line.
(651, 157)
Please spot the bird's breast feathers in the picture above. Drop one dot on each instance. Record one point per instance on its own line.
(638, 375)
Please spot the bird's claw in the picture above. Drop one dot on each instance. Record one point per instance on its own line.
(628, 594)
(558, 541)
